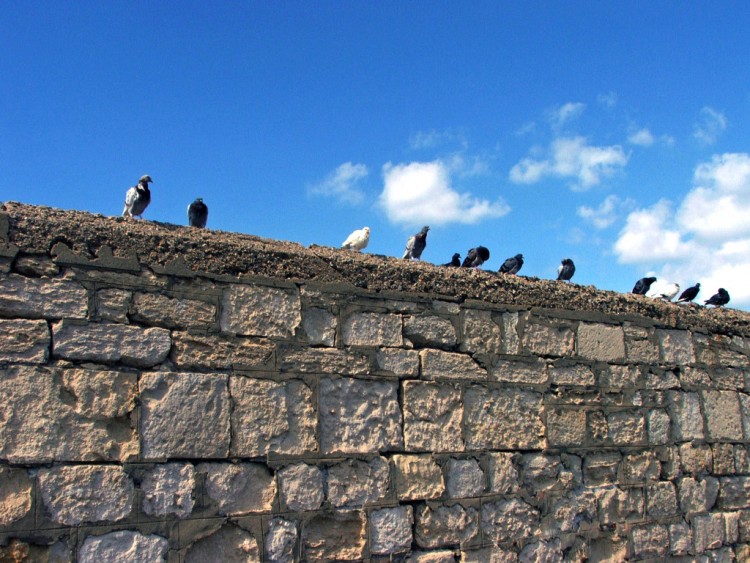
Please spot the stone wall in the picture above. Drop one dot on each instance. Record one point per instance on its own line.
(151, 411)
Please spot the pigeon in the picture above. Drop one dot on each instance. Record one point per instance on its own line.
(455, 261)
(137, 198)
(663, 290)
(689, 294)
(416, 244)
(566, 270)
(476, 257)
(357, 240)
(642, 285)
(197, 213)
(718, 299)
(512, 265)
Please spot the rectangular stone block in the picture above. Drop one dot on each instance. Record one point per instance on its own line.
(432, 331)
(390, 530)
(432, 417)
(399, 363)
(566, 427)
(502, 474)
(355, 483)
(443, 526)
(723, 419)
(161, 310)
(708, 532)
(113, 304)
(640, 346)
(239, 488)
(650, 541)
(42, 298)
(604, 343)
(340, 536)
(578, 374)
(15, 494)
(687, 419)
(191, 351)
(627, 428)
(675, 347)
(734, 493)
(507, 521)
(437, 364)
(481, 334)
(533, 373)
(320, 326)
(548, 339)
(23, 341)
(417, 477)
(324, 361)
(372, 329)
(256, 310)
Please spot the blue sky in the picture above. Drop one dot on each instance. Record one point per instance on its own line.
(614, 133)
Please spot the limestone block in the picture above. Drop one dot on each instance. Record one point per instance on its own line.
(168, 490)
(281, 539)
(650, 541)
(481, 334)
(42, 298)
(731, 527)
(541, 472)
(101, 395)
(695, 459)
(680, 538)
(696, 495)
(417, 477)
(675, 347)
(354, 483)
(659, 424)
(734, 493)
(723, 455)
(319, 326)
(391, 530)
(661, 379)
(621, 377)
(359, 416)
(24, 341)
(498, 419)
(36, 265)
(541, 551)
(436, 556)
(640, 346)
(301, 487)
(444, 526)
(325, 361)
(113, 304)
(615, 505)
(260, 311)
(566, 427)
(694, 377)
(73, 494)
(184, 415)
(239, 488)
(437, 364)
(728, 378)
(578, 374)
(464, 478)
(639, 468)
(548, 339)
(503, 476)
(600, 342)
(489, 555)
(110, 343)
(432, 331)
(507, 521)
(627, 428)
(401, 363)
(372, 329)
(601, 468)
(217, 352)
(708, 532)
(123, 547)
(661, 499)
(271, 417)
(687, 419)
(511, 340)
(340, 536)
(534, 373)
(432, 417)
(723, 419)
(745, 411)
(229, 544)
(15, 494)
(160, 310)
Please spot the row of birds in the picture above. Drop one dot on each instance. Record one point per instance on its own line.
(138, 197)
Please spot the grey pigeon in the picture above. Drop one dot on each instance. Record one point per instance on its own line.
(197, 213)
(455, 261)
(689, 294)
(642, 285)
(476, 257)
(719, 298)
(416, 244)
(566, 270)
(512, 265)
(137, 198)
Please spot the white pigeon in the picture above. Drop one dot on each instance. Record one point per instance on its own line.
(663, 290)
(357, 240)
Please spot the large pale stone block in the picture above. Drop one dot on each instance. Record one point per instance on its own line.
(24, 341)
(229, 544)
(101, 395)
(15, 494)
(123, 547)
(220, 352)
(432, 417)
(324, 360)
(271, 417)
(354, 483)
(319, 326)
(184, 415)
(640, 345)
(675, 347)
(443, 526)
(548, 339)
(723, 419)
(73, 494)
(43, 298)
(432, 556)
(506, 521)
(534, 373)
(261, 311)
(437, 364)
(110, 343)
(639, 467)
(391, 530)
(281, 539)
(432, 331)
(464, 478)
(650, 541)
(734, 493)
(695, 459)
(481, 334)
(661, 499)
(239, 488)
(160, 310)
(604, 343)
(113, 304)
(401, 363)
(359, 416)
(168, 490)
(498, 419)
(617, 505)
(341, 536)
(503, 476)
(601, 468)
(680, 538)
(301, 487)
(417, 477)
(708, 532)
(578, 374)
(659, 424)
(372, 329)
(627, 428)
(566, 427)
(541, 551)
(697, 495)
(489, 555)
(687, 419)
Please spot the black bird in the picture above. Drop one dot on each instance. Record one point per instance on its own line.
(455, 261)
(512, 265)
(137, 198)
(718, 299)
(416, 244)
(689, 294)
(643, 285)
(566, 270)
(476, 257)
(197, 213)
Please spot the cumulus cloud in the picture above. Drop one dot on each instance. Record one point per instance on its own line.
(342, 184)
(572, 158)
(642, 137)
(422, 193)
(647, 236)
(559, 116)
(607, 213)
(709, 126)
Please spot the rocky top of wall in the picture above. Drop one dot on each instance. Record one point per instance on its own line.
(75, 236)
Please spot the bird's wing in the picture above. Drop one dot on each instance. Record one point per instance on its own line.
(409, 246)
(351, 239)
(560, 271)
(130, 196)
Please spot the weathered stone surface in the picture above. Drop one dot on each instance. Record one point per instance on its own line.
(417, 477)
(192, 351)
(548, 339)
(697, 496)
(481, 335)
(301, 487)
(661, 499)
(566, 427)
(734, 493)
(401, 363)
(169, 312)
(271, 417)
(260, 311)
(101, 395)
(36, 265)
(508, 521)
(600, 342)
(73, 494)
(542, 473)
(723, 419)
(239, 488)
(319, 326)
(511, 339)
(497, 419)
(184, 415)
(541, 552)
(659, 424)
(695, 459)
(444, 526)
(123, 547)
(639, 467)
(230, 544)
(680, 538)
(728, 378)
(432, 417)
(621, 377)
(723, 455)
(578, 374)
(281, 539)
(372, 329)
(464, 478)
(15, 494)
(601, 468)
(391, 530)
(325, 361)
(489, 555)
(433, 331)
(437, 364)
(534, 373)
(42, 298)
(359, 416)
(113, 304)
(687, 419)
(435, 556)
(341, 536)
(353, 483)
(745, 412)
(650, 541)
(168, 490)
(708, 532)
(640, 345)
(675, 347)
(24, 341)
(110, 343)
(627, 428)
(620, 505)
(503, 476)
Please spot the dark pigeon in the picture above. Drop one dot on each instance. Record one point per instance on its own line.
(718, 299)
(566, 270)
(455, 261)
(689, 294)
(197, 213)
(476, 257)
(642, 285)
(512, 265)
(416, 244)
(137, 198)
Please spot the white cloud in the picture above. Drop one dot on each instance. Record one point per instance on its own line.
(434, 138)
(572, 158)
(710, 125)
(608, 100)
(559, 116)
(647, 236)
(421, 193)
(342, 183)
(606, 214)
(642, 137)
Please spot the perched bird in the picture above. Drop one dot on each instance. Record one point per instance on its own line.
(566, 270)
(512, 265)
(455, 261)
(416, 244)
(663, 290)
(197, 213)
(642, 285)
(689, 294)
(357, 240)
(718, 299)
(475, 257)
(137, 198)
